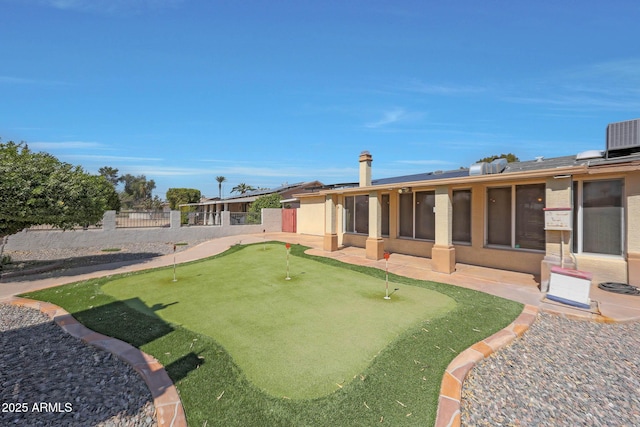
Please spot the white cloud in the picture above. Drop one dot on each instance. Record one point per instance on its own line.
(64, 145)
(27, 81)
(109, 6)
(612, 85)
(440, 89)
(424, 162)
(113, 158)
(389, 117)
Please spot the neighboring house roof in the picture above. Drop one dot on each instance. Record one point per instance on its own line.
(286, 191)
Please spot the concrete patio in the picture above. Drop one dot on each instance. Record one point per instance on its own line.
(521, 287)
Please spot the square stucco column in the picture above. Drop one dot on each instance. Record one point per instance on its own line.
(374, 246)
(558, 194)
(443, 253)
(330, 243)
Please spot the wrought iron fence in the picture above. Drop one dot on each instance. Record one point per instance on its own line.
(140, 219)
(245, 218)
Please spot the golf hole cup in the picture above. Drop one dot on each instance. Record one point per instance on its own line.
(288, 246)
(386, 274)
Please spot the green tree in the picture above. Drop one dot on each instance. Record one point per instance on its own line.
(242, 188)
(137, 191)
(36, 188)
(111, 174)
(220, 180)
(266, 202)
(178, 196)
(510, 158)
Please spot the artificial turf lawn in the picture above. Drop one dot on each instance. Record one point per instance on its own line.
(399, 387)
(301, 338)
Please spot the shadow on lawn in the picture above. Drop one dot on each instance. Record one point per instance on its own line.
(33, 270)
(136, 323)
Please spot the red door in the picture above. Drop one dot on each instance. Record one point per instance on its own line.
(289, 220)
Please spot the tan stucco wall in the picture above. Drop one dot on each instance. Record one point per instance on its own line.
(310, 218)
(357, 240)
(633, 227)
(603, 268)
(558, 194)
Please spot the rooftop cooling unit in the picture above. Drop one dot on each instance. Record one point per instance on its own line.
(623, 136)
(483, 168)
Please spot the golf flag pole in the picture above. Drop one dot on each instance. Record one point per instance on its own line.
(174, 263)
(386, 274)
(288, 246)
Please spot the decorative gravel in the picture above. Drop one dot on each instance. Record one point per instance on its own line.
(561, 372)
(49, 378)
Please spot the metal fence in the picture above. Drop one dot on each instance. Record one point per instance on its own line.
(143, 219)
(245, 218)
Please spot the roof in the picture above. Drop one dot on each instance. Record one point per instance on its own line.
(251, 196)
(422, 177)
(537, 167)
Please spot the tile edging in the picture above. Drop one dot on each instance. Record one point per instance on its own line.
(448, 414)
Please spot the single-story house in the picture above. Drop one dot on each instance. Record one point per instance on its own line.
(207, 211)
(580, 211)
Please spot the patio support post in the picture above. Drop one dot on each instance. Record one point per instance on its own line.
(443, 253)
(374, 246)
(330, 235)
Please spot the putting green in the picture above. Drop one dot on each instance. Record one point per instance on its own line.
(300, 338)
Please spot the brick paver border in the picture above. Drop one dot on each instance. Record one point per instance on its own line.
(169, 410)
(451, 388)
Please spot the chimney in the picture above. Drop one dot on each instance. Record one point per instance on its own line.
(365, 169)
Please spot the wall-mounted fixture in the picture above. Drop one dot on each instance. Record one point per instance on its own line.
(404, 190)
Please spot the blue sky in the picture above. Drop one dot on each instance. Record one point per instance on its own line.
(267, 92)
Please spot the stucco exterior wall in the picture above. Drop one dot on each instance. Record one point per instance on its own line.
(633, 227)
(310, 218)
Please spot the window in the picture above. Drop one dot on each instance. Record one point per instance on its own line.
(384, 201)
(417, 219)
(461, 226)
(425, 225)
(515, 216)
(530, 232)
(406, 215)
(356, 214)
(499, 216)
(598, 217)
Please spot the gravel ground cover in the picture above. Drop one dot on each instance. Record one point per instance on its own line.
(561, 372)
(49, 378)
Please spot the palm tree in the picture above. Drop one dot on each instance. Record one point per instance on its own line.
(242, 188)
(220, 180)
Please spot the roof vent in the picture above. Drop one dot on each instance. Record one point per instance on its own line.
(539, 158)
(623, 137)
(478, 169)
(590, 154)
(498, 165)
